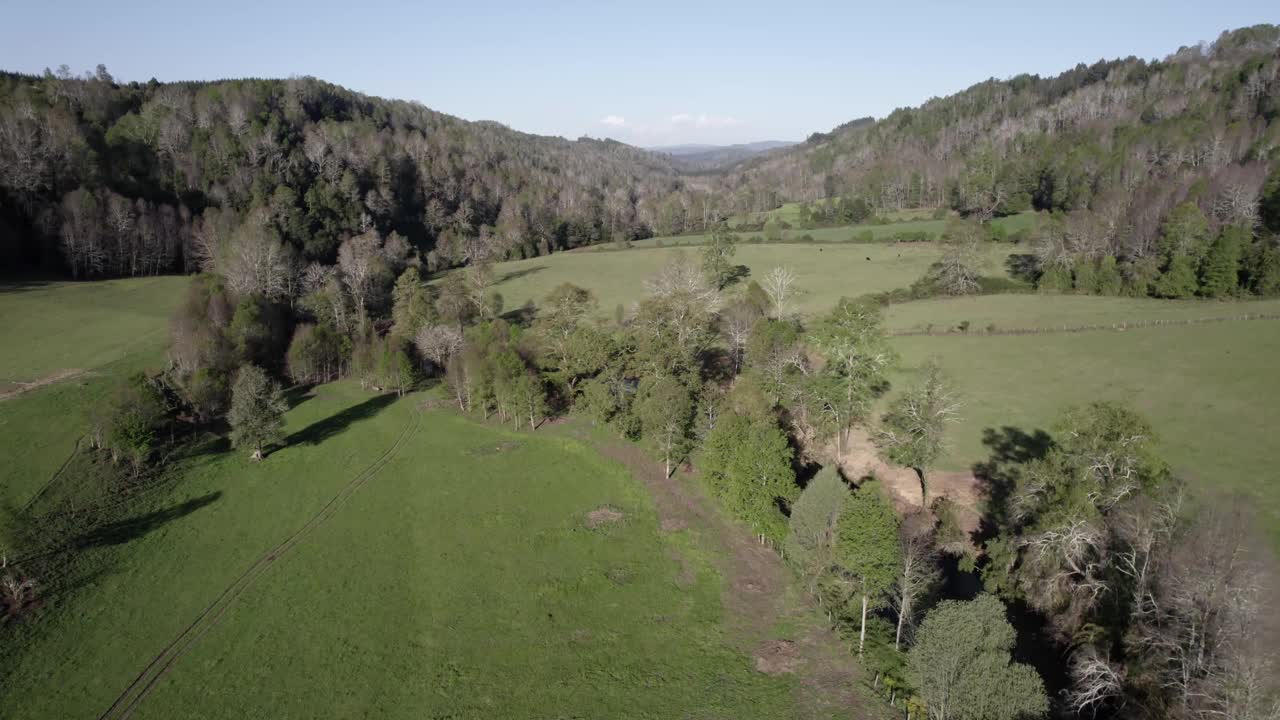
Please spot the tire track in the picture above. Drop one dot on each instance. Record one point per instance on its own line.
(145, 682)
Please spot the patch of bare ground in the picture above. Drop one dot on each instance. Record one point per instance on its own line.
(603, 515)
(861, 458)
(14, 388)
(756, 597)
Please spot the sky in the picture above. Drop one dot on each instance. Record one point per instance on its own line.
(651, 74)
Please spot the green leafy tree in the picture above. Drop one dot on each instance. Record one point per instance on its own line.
(665, 410)
(127, 424)
(717, 256)
(867, 550)
(747, 462)
(1178, 279)
(257, 410)
(852, 341)
(411, 306)
(962, 666)
(815, 516)
(913, 431)
(1220, 273)
(1108, 280)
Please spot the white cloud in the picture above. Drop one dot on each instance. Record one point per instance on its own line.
(614, 120)
(681, 118)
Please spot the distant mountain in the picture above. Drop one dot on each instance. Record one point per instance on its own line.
(695, 156)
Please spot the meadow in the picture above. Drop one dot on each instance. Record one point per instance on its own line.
(911, 223)
(1210, 390)
(463, 579)
(824, 273)
(91, 333)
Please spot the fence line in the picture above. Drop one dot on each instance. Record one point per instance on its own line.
(1086, 328)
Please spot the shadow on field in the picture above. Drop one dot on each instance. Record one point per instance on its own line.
(516, 274)
(8, 286)
(321, 430)
(1010, 448)
(299, 394)
(117, 533)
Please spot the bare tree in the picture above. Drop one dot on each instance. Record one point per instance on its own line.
(438, 343)
(779, 284)
(919, 572)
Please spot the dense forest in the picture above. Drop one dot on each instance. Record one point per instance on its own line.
(108, 179)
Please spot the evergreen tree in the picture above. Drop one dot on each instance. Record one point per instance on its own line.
(867, 548)
(257, 410)
(1108, 280)
(1220, 273)
(815, 516)
(747, 462)
(1178, 280)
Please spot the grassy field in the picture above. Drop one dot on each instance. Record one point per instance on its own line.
(1010, 312)
(105, 329)
(824, 274)
(790, 212)
(1210, 389)
(846, 233)
(461, 581)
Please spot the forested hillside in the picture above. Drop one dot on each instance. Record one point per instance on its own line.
(106, 179)
(1115, 145)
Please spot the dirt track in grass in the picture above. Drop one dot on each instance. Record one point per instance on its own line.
(758, 597)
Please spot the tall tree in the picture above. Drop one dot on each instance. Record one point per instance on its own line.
(257, 410)
(717, 256)
(815, 516)
(666, 415)
(867, 550)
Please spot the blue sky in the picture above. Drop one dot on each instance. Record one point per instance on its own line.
(647, 73)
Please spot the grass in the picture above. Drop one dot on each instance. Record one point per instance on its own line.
(841, 234)
(823, 273)
(459, 582)
(107, 329)
(1010, 312)
(83, 325)
(1210, 390)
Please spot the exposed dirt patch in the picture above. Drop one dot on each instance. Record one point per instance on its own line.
(755, 596)
(861, 458)
(688, 575)
(14, 388)
(603, 515)
(778, 657)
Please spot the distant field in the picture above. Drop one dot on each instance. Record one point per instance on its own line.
(1210, 389)
(1010, 312)
(790, 212)
(460, 581)
(99, 330)
(824, 273)
(846, 233)
(54, 326)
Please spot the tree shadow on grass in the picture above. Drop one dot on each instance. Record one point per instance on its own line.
(517, 274)
(321, 430)
(117, 533)
(1010, 449)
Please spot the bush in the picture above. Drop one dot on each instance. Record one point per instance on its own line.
(806, 238)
